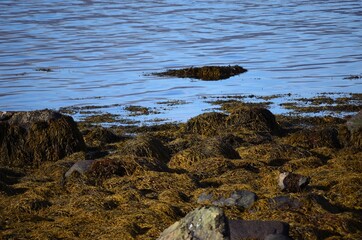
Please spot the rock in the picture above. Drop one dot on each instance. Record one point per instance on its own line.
(285, 202)
(29, 138)
(202, 223)
(315, 138)
(355, 123)
(146, 146)
(242, 229)
(206, 124)
(81, 167)
(240, 198)
(99, 135)
(253, 118)
(290, 182)
(277, 237)
(207, 73)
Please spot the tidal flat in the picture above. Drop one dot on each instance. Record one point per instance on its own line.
(143, 178)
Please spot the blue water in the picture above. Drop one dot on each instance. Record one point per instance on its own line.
(101, 52)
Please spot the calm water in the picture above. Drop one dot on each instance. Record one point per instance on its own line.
(101, 51)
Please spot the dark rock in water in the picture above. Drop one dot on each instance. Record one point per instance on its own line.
(291, 182)
(210, 73)
(29, 138)
(285, 202)
(202, 223)
(242, 229)
(255, 119)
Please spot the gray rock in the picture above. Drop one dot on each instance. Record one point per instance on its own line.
(202, 223)
(240, 229)
(239, 198)
(244, 198)
(204, 198)
(80, 167)
(291, 182)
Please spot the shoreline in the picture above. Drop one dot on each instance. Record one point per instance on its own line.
(145, 178)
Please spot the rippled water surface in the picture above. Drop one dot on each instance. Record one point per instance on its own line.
(100, 52)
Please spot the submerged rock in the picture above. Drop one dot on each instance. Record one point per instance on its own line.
(291, 182)
(205, 73)
(29, 138)
(202, 223)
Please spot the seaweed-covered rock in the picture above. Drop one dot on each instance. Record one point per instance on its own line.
(314, 138)
(253, 118)
(100, 135)
(205, 73)
(206, 124)
(29, 138)
(209, 148)
(202, 223)
(146, 146)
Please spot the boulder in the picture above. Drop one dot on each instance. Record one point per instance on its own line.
(29, 138)
(202, 223)
(255, 229)
(255, 119)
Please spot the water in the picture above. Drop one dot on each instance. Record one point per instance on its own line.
(100, 52)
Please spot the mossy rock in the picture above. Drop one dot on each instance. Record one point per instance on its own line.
(146, 146)
(207, 73)
(209, 148)
(206, 124)
(314, 138)
(29, 138)
(100, 135)
(254, 119)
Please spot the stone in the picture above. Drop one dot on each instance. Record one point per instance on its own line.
(285, 202)
(202, 223)
(277, 237)
(29, 138)
(240, 198)
(291, 182)
(255, 229)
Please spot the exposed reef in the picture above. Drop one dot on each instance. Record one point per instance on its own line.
(206, 73)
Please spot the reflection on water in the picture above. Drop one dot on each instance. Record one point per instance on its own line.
(100, 52)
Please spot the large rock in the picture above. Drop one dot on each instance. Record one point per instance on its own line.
(202, 223)
(29, 138)
(242, 229)
(253, 118)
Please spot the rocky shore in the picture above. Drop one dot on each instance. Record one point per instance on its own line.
(244, 173)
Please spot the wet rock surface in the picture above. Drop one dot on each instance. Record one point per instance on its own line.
(28, 138)
(241, 198)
